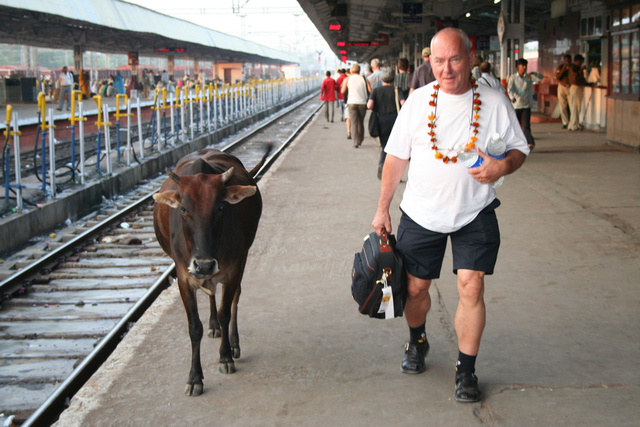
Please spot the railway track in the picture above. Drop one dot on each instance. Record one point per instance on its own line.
(63, 313)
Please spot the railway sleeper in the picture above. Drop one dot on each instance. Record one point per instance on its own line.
(68, 312)
(46, 349)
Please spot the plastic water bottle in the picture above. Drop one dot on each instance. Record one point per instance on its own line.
(496, 149)
(470, 159)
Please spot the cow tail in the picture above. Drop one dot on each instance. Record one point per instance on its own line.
(257, 167)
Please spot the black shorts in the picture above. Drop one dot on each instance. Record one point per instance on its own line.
(474, 246)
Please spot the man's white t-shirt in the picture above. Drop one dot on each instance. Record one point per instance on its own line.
(444, 197)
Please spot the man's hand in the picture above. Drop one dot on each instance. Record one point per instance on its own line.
(381, 220)
(492, 169)
(489, 171)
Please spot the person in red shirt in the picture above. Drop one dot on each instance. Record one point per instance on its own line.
(339, 80)
(328, 95)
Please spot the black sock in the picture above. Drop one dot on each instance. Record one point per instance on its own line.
(417, 335)
(466, 363)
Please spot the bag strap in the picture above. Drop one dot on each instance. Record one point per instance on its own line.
(395, 89)
(384, 242)
(386, 255)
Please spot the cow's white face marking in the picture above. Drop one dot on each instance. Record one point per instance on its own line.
(202, 269)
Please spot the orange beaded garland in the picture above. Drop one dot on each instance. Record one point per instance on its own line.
(432, 124)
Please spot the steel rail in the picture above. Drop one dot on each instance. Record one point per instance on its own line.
(9, 285)
(51, 408)
(269, 162)
(269, 121)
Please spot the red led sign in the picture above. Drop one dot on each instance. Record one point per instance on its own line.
(170, 49)
(335, 27)
(362, 44)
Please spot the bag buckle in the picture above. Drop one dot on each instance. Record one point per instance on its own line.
(387, 274)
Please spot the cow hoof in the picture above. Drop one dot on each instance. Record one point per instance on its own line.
(193, 390)
(213, 333)
(227, 367)
(236, 352)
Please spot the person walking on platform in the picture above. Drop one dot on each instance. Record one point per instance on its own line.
(443, 198)
(402, 79)
(424, 73)
(374, 77)
(328, 95)
(578, 82)
(83, 82)
(385, 102)
(118, 83)
(341, 77)
(487, 79)
(358, 94)
(475, 70)
(564, 89)
(347, 120)
(520, 89)
(65, 82)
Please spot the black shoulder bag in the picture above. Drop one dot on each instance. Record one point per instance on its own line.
(379, 281)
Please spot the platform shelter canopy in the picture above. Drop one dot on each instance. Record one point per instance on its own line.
(114, 26)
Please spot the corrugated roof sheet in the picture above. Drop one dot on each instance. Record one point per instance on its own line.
(125, 16)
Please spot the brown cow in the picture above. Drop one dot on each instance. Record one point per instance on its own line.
(205, 218)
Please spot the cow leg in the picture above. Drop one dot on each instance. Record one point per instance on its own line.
(234, 338)
(226, 364)
(194, 384)
(214, 326)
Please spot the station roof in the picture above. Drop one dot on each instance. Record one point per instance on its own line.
(114, 26)
(365, 21)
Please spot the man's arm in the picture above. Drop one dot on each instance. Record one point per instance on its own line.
(391, 175)
(343, 88)
(536, 76)
(512, 90)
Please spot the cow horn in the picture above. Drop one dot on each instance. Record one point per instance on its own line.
(173, 176)
(227, 175)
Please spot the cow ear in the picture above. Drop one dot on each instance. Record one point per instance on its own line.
(170, 198)
(237, 193)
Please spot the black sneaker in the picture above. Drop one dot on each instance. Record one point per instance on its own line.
(414, 355)
(467, 390)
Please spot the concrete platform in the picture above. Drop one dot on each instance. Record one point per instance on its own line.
(560, 346)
